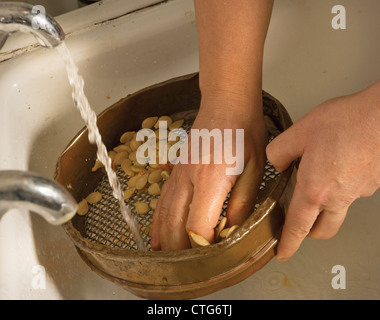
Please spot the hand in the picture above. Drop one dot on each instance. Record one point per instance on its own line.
(339, 146)
(193, 196)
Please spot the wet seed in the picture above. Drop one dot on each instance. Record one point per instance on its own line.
(153, 203)
(177, 124)
(155, 176)
(141, 182)
(141, 207)
(122, 148)
(120, 157)
(154, 189)
(129, 193)
(82, 207)
(168, 120)
(94, 197)
(112, 154)
(198, 239)
(135, 144)
(98, 164)
(132, 181)
(127, 136)
(137, 169)
(165, 175)
(148, 123)
(220, 228)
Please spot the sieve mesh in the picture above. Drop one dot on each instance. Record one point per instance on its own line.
(105, 225)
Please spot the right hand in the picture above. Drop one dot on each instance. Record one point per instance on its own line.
(193, 196)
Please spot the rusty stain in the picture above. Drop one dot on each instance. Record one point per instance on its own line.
(286, 282)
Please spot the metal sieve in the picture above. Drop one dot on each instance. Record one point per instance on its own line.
(103, 238)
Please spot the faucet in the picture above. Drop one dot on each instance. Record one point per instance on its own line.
(23, 189)
(28, 190)
(19, 16)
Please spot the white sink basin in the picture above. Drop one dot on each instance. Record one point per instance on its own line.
(118, 56)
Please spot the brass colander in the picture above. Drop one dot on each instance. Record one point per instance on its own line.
(103, 239)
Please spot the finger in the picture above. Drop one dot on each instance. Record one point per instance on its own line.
(285, 148)
(242, 199)
(173, 225)
(298, 223)
(327, 224)
(155, 230)
(206, 207)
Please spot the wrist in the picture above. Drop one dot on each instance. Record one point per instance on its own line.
(231, 92)
(232, 108)
(231, 79)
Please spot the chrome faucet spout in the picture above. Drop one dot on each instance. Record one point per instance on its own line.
(24, 17)
(27, 190)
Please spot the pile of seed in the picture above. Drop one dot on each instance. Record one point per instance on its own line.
(142, 177)
(146, 177)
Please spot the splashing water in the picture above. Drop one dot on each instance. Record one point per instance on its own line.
(89, 117)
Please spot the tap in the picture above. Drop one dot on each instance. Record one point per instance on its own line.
(24, 17)
(28, 190)
(22, 189)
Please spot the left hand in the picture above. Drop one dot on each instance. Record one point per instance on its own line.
(339, 146)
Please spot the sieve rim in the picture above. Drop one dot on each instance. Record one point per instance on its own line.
(116, 253)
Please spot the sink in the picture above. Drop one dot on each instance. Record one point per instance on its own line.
(38, 119)
(121, 47)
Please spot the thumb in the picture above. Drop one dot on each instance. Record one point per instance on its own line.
(285, 148)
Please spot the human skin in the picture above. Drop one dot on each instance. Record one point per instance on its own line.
(339, 146)
(231, 37)
(338, 142)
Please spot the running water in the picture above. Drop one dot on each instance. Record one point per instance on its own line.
(89, 116)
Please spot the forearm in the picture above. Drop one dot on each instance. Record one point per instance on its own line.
(231, 36)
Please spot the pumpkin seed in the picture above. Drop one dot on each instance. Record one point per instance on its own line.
(129, 171)
(141, 182)
(135, 144)
(227, 232)
(154, 176)
(149, 123)
(127, 136)
(82, 207)
(141, 207)
(121, 148)
(198, 239)
(168, 120)
(137, 169)
(94, 197)
(126, 163)
(132, 156)
(112, 154)
(154, 189)
(153, 203)
(232, 229)
(177, 124)
(220, 228)
(120, 157)
(165, 175)
(132, 181)
(129, 193)
(98, 164)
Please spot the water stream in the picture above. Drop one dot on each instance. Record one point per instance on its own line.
(90, 119)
